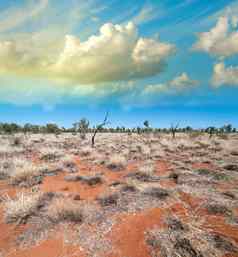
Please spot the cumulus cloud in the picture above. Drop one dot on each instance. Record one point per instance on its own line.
(14, 17)
(178, 84)
(224, 76)
(222, 40)
(116, 54)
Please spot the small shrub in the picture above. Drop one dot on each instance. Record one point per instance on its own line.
(231, 167)
(93, 180)
(116, 162)
(183, 247)
(144, 177)
(229, 195)
(128, 188)
(175, 224)
(49, 154)
(204, 172)
(64, 210)
(73, 178)
(224, 244)
(22, 207)
(215, 175)
(86, 151)
(4, 170)
(69, 164)
(234, 153)
(17, 141)
(156, 192)
(174, 176)
(27, 175)
(216, 209)
(220, 176)
(108, 200)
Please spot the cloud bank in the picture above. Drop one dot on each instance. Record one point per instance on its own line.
(220, 41)
(117, 53)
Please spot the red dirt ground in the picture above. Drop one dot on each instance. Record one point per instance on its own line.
(128, 235)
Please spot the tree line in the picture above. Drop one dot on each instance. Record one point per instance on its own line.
(83, 126)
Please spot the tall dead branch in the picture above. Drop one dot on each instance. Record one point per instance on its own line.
(99, 127)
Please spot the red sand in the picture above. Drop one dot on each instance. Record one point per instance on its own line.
(128, 235)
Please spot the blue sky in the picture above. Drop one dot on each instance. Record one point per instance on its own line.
(167, 61)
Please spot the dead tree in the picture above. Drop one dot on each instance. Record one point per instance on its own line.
(98, 128)
(173, 130)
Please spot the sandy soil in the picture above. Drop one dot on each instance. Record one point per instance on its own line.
(158, 200)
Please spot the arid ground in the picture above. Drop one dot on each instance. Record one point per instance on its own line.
(129, 196)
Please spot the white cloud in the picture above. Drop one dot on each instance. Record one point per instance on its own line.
(148, 13)
(182, 82)
(14, 17)
(154, 89)
(224, 76)
(221, 41)
(116, 54)
(178, 84)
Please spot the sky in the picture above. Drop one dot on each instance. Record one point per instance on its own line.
(166, 61)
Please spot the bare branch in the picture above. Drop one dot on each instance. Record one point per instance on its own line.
(100, 126)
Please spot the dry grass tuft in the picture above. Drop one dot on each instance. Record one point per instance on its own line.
(4, 169)
(116, 163)
(64, 210)
(50, 154)
(156, 192)
(22, 207)
(26, 175)
(108, 200)
(86, 151)
(217, 209)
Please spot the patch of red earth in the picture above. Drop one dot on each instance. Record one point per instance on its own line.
(162, 168)
(9, 234)
(128, 235)
(58, 184)
(203, 165)
(120, 175)
(6, 189)
(51, 247)
(192, 201)
(217, 224)
(112, 176)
